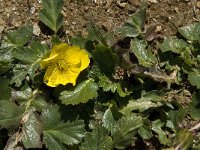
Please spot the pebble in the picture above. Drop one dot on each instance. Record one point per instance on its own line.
(36, 29)
(198, 4)
(153, 1)
(16, 23)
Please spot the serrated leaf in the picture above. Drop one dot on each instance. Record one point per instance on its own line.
(106, 84)
(19, 37)
(149, 100)
(143, 54)
(140, 105)
(134, 26)
(98, 139)
(5, 92)
(145, 133)
(194, 78)
(5, 60)
(157, 127)
(173, 44)
(184, 139)
(82, 93)
(22, 95)
(31, 56)
(108, 63)
(194, 107)
(10, 114)
(50, 15)
(20, 73)
(175, 118)
(125, 130)
(191, 32)
(32, 129)
(108, 120)
(56, 132)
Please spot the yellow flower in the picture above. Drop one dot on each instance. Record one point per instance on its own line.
(64, 64)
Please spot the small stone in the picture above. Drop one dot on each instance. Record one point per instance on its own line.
(198, 4)
(2, 27)
(16, 23)
(158, 28)
(121, 4)
(74, 22)
(2, 21)
(153, 1)
(36, 29)
(32, 10)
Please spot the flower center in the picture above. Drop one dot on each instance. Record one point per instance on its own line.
(64, 65)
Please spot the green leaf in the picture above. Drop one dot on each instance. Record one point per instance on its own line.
(82, 93)
(140, 105)
(107, 64)
(173, 44)
(98, 139)
(50, 15)
(5, 92)
(157, 127)
(184, 139)
(108, 120)
(106, 84)
(56, 132)
(134, 26)
(5, 60)
(145, 133)
(32, 129)
(194, 107)
(22, 95)
(191, 32)
(10, 114)
(194, 78)
(31, 56)
(20, 73)
(175, 118)
(149, 100)
(125, 130)
(19, 37)
(143, 54)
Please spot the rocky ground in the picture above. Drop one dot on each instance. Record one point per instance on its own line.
(167, 15)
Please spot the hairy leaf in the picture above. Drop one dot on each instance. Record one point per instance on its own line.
(5, 60)
(19, 74)
(105, 59)
(5, 92)
(83, 92)
(173, 44)
(108, 120)
(32, 129)
(194, 106)
(191, 32)
(19, 37)
(175, 118)
(56, 132)
(10, 114)
(149, 100)
(22, 95)
(98, 139)
(50, 15)
(143, 54)
(134, 26)
(31, 56)
(194, 78)
(125, 130)
(106, 84)
(157, 127)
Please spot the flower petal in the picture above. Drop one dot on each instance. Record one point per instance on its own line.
(75, 55)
